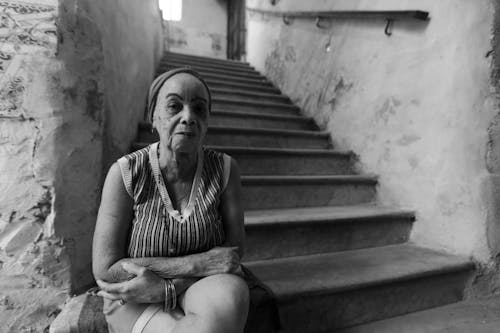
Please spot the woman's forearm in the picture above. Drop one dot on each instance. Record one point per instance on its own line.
(165, 267)
(214, 261)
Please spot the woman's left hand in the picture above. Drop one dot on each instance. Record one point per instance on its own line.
(144, 287)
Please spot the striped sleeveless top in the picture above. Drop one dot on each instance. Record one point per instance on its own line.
(158, 230)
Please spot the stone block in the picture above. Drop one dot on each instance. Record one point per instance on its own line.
(20, 237)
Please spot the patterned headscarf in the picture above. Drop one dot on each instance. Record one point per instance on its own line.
(155, 87)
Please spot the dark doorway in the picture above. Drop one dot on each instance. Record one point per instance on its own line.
(236, 30)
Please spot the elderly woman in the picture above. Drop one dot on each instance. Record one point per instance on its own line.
(169, 233)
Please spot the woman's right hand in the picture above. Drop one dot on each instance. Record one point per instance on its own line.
(221, 260)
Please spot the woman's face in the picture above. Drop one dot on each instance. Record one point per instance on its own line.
(181, 113)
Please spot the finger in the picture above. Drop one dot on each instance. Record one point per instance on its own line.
(113, 287)
(133, 268)
(110, 296)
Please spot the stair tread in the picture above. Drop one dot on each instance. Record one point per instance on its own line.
(175, 61)
(211, 81)
(478, 315)
(256, 103)
(252, 114)
(269, 131)
(370, 179)
(331, 214)
(261, 115)
(344, 271)
(185, 55)
(284, 151)
(227, 76)
(146, 125)
(248, 93)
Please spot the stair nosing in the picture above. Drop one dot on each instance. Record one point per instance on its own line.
(260, 218)
(309, 179)
(463, 266)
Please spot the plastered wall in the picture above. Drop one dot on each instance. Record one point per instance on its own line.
(417, 107)
(202, 30)
(71, 97)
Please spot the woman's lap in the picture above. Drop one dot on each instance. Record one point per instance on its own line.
(221, 291)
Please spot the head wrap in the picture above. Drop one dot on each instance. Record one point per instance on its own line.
(155, 87)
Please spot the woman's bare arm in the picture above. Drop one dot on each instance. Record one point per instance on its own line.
(110, 241)
(232, 211)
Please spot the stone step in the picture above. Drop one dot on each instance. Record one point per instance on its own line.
(232, 79)
(278, 233)
(478, 316)
(249, 95)
(254, 137)
(260, 120)
(201, 65)
(216, 83)
(234, 104)
(279, 161)
(263, 192)
(207, 71)
(323, 292)
(207, 60)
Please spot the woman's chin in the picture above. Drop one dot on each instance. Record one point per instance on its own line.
(186, 144)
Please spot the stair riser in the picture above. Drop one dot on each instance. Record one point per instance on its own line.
(263, 196)
(325, 313)
(214, 62)
(256, 122)
(263, 109)
(252, 98)
(242, 139)
(216, 71)
(276, 164)
(247, 87)
(278, 241)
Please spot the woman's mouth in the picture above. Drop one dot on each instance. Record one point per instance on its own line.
(186, 133)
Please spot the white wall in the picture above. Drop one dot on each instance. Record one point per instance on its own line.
(416, 107)
(202, 30)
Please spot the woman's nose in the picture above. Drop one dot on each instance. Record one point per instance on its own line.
(188, 116)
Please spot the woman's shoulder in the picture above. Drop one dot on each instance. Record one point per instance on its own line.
(214, 154)
(138, 155)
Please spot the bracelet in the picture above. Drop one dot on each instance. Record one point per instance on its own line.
(170, 296)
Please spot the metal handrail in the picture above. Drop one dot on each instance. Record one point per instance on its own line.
(389, 15)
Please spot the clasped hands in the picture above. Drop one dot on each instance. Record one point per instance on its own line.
(146, 286)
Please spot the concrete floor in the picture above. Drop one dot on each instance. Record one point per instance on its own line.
(478, 316)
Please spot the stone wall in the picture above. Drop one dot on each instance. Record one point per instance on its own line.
(201, 31)
(417, 107)
(71, 98)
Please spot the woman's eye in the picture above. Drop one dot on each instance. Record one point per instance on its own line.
(174, 106)
(200, 109)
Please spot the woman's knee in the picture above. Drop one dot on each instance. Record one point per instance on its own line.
(225, 293)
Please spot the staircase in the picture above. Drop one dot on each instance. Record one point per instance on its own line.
(314, 233)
